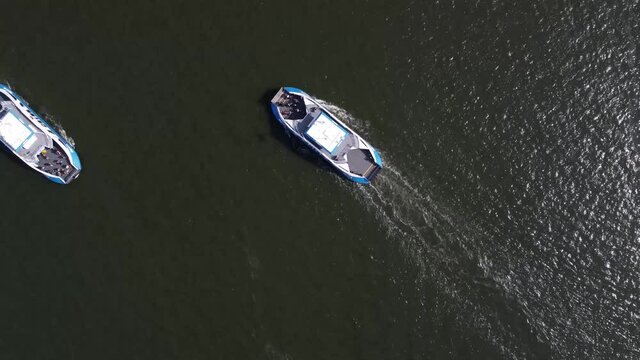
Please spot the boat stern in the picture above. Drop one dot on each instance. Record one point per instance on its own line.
(59, 163)
(364, 164)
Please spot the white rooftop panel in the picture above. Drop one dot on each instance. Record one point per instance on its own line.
(326, 133)
(30, 141)
(13, 131)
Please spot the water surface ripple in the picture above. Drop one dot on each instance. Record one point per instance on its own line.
(523, 122)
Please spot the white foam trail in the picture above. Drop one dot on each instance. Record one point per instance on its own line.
(273, 353)
(433, 238)
(60, 129)
(361, 126)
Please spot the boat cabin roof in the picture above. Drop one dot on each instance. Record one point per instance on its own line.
(13, 131)
(326, 133)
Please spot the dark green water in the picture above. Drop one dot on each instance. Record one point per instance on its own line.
(505, 226)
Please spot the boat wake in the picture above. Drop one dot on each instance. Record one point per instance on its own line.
(439, 243)
(361, 126)
(51, 119)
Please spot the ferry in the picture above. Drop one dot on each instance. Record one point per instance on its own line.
(34, 141)
(305, 118)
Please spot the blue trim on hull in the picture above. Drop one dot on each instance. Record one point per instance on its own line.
(295, 90)
(376, 156)
(359, 180)
(55, 179)
(21, 100)
(75, 160)
(274, 110)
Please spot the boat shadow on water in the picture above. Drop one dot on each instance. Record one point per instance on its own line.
(6, 153)
(279, 133)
